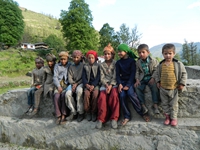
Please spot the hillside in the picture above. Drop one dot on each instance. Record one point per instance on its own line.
(39, 26)
(156, 51)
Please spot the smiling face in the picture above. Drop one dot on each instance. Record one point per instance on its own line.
(64, 60)
(122, 54)
(143, 54)
(168, 54)
(76, 59)
(108, 55)
(91, 59)
(50, 63)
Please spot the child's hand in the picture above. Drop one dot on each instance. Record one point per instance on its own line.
(126, 88)
(180, 87)
(108, 89)
(120, 87)
(91, 88)
(87, 86)
(152, 81)
(60, 89)
(74, 87)
(137, 83)
(38, 86)
(158, 85)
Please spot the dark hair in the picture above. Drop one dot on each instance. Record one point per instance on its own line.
(143, 46)
(168, 46)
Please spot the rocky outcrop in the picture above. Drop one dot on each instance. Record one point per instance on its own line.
(42, 133)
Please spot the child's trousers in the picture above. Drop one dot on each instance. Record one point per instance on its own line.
(169, 99)
(108, 105)
(71, 103)
(31, 97)
(124, 95)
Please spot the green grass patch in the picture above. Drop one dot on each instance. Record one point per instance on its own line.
(5, 89)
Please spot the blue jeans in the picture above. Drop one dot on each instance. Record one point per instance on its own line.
(124, 95)
(30, 94)
(140, 91)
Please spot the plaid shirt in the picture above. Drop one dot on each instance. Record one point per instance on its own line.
(145, 67)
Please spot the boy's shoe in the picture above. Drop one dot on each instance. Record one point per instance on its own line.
(114, 124)
(99, 124)
(144, 108)
(174, 122)
(70, 117)
(89, 116)
(156, 111)
(80, 117)
(94, 117)
(167, 119)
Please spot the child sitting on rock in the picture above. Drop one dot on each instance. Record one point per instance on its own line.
(125, 75)
(37, 82)
(48, 86)
(145, 67)
(76, 87)
(91, 78)
(108, 101)
(60, 81)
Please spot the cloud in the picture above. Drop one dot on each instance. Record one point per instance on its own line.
(106, 2)
(193, 5)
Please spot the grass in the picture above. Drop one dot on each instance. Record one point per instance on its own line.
(5, 89)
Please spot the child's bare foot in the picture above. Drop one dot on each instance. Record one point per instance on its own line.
(125, 121)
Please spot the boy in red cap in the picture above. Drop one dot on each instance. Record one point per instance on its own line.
(90, 79)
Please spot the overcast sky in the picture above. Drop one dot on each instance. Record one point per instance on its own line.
(159, 21)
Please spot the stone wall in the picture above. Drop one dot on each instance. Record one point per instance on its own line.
(41, 132)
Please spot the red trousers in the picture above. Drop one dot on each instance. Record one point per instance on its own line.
(108, 105)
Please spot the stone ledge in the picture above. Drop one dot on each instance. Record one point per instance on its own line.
(137, 134)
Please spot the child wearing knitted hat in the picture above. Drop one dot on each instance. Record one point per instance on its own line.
(90, 79)
(125, 75)
(60, 81)
(76, 87)
(108, 101)
(37, 81)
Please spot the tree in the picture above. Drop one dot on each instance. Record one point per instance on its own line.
(108, 35)
(130, 38)
(123, 34)
(54, 42)
(189, 54)
(11, 23)
(77, 27)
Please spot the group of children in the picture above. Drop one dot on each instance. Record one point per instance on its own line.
(97, 91)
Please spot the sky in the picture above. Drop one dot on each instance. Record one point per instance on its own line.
(158, 21)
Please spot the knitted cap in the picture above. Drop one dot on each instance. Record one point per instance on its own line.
(93, 53)
(50, 57)
(109, 48)
(39, 60)
(63, 54)
(77, 53)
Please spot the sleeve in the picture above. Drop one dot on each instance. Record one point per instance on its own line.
(155, 64)
(84, 77)
(97, 79)
(156, 75)
(32, 79)
(132, 75)
(118, 73)
(183, 77)
(70, 75)
(55, 76)
(113, 80)
(137, 74)
(102, 76)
